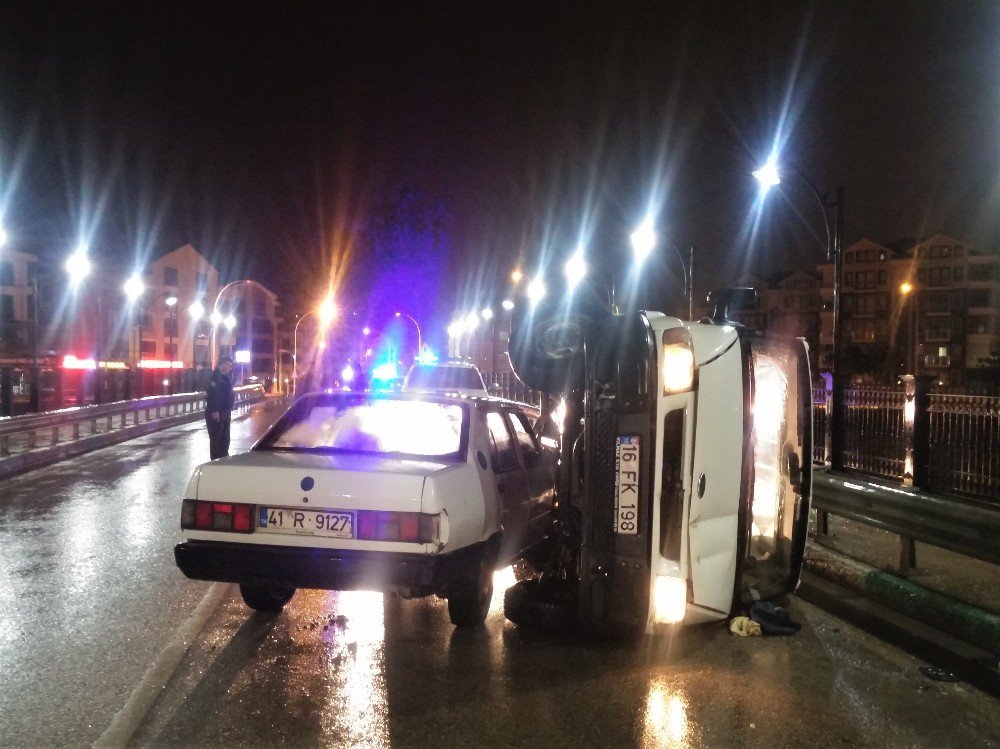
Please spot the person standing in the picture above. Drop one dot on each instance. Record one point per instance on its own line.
(219, 402)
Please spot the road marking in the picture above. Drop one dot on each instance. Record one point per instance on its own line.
(128, 719)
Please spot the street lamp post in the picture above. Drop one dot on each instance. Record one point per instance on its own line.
(420, 344)
(326, 311)
(688, 269)
(907, 289)
(78, 267)
(171, 302)
(768, 177)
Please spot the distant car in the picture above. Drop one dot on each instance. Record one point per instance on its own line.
(457, 377)
(373, 491)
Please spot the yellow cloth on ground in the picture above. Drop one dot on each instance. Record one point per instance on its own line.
(744, 626)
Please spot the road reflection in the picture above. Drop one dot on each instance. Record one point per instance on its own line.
(357, 707)
(666, 718)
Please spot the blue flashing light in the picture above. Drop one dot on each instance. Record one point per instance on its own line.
(385, 372)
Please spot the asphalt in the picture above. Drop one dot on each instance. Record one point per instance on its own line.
(943, 610)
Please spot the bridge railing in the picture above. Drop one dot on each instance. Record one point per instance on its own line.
(934, 459)
(936, 441)
(506, 385)
(20, 434)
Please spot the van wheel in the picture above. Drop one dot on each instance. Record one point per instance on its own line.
(530, 604)
(470, 593)
(266, 598)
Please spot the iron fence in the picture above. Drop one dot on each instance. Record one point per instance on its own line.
(959, 444)
(875, 441)
(821, 407)
(506, 385)
(964, 444)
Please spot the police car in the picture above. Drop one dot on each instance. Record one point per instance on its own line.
(373, 491)
(452, 376)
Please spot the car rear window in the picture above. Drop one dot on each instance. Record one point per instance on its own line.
(445, 378)
(409, 428)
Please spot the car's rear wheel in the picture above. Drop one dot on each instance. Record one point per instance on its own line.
(470, 593)
(266, 598)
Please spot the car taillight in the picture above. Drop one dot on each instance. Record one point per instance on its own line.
(409, 527)
(217, 516)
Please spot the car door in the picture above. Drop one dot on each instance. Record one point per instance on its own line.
(512, 482)
(539, 466)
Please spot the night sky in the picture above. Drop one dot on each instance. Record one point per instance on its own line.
(267, 138)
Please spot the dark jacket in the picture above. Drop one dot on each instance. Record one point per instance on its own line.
(219, 395)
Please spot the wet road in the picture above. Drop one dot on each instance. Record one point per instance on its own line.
(101, 639)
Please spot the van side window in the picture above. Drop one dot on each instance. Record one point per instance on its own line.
(504, 451)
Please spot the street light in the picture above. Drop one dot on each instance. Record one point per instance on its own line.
(507, 304)
(327, 311)
(78, 265)
(536, 290)
(516, 276)
(643, 240)
(420, 345)
(575, 269)
(768, 176)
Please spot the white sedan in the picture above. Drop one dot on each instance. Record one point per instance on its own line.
(373, 491)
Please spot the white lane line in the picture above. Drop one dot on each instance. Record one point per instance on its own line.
(128, 719)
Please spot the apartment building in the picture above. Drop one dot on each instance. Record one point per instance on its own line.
(180, 331)
(17, 303)
(933, 304)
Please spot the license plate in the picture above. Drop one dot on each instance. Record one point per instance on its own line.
(326, 523)
(627, 485)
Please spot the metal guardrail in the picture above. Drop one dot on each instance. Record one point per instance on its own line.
(967, 527)
(25, 433)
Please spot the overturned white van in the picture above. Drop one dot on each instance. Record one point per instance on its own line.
(685, 466)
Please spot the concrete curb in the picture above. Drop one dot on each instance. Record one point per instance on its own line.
(958, 619)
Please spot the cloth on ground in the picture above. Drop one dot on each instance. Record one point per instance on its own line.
(773, 619)
(744, 626)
